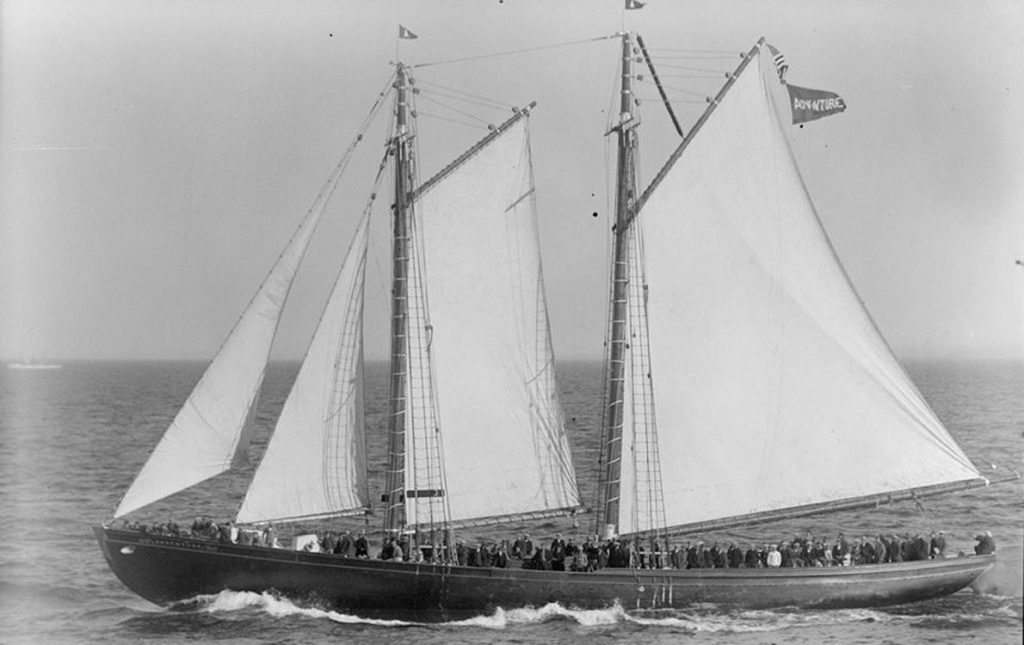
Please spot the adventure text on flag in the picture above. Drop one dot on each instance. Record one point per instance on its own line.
(809, 104)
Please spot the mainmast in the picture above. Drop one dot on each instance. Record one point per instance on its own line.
(612, 421)
(394, 497)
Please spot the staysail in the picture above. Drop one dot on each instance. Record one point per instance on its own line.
(774, 388)
(505, 450)
(314, 465)
(211, 431)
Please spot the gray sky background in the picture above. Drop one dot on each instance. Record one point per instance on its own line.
(155, 156)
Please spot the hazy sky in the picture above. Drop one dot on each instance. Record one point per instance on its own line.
(155, 156)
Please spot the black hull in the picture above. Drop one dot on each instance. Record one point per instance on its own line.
(165, 569)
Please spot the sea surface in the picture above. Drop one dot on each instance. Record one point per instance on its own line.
(72, 439)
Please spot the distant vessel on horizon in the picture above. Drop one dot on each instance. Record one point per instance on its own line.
(33, 365)
(745, 383)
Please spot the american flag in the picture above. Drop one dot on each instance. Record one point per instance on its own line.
(780, 62)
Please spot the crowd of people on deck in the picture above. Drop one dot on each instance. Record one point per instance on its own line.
(206, 529)
(589, 553)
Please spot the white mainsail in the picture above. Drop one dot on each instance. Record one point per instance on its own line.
(212, 430)
(314, 465)
(774, 388)
(505, 450)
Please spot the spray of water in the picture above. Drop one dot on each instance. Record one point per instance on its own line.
(1006, 578)
(700, 619)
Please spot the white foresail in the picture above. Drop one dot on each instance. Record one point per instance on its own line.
(774, 389)
(211, 430)
(505, 450)
(314, 465)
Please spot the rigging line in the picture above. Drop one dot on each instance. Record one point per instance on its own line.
(708, 76)
(453, 109)
(329, 187)
(697, 57)
(444, 118)
(320, 201)
(415, 128)
(696, 51)
(458, 91)
(657, 82)
(674, 102)
(375, 252)
(679, 89)
(454, 97)
(695, 69)
(512, 51)
(380, 99)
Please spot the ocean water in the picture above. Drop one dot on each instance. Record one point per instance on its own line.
(71, 441)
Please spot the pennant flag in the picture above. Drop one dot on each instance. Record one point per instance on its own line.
(406, 34)
(809, 104)
(780, 62)
(634, 4)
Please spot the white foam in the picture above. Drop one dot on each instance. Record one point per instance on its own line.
(227, 601)
(502, 618)
(699, 619)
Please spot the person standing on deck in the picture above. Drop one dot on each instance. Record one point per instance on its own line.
(735, 556)
(344, 547)
(362, 546)
(881, 550)
(985, 545)
(750, 560)
(558, 553)
(519, 548)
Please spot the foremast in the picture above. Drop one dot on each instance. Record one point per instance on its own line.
(615, 368)
(416, 494)
(401, 149)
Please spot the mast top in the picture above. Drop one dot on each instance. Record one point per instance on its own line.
(402, 83)
(626, 83)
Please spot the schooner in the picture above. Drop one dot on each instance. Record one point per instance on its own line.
(734, 336)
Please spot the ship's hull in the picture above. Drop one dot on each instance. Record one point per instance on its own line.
(166, 569)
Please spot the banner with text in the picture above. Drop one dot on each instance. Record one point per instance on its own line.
(809, 104)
